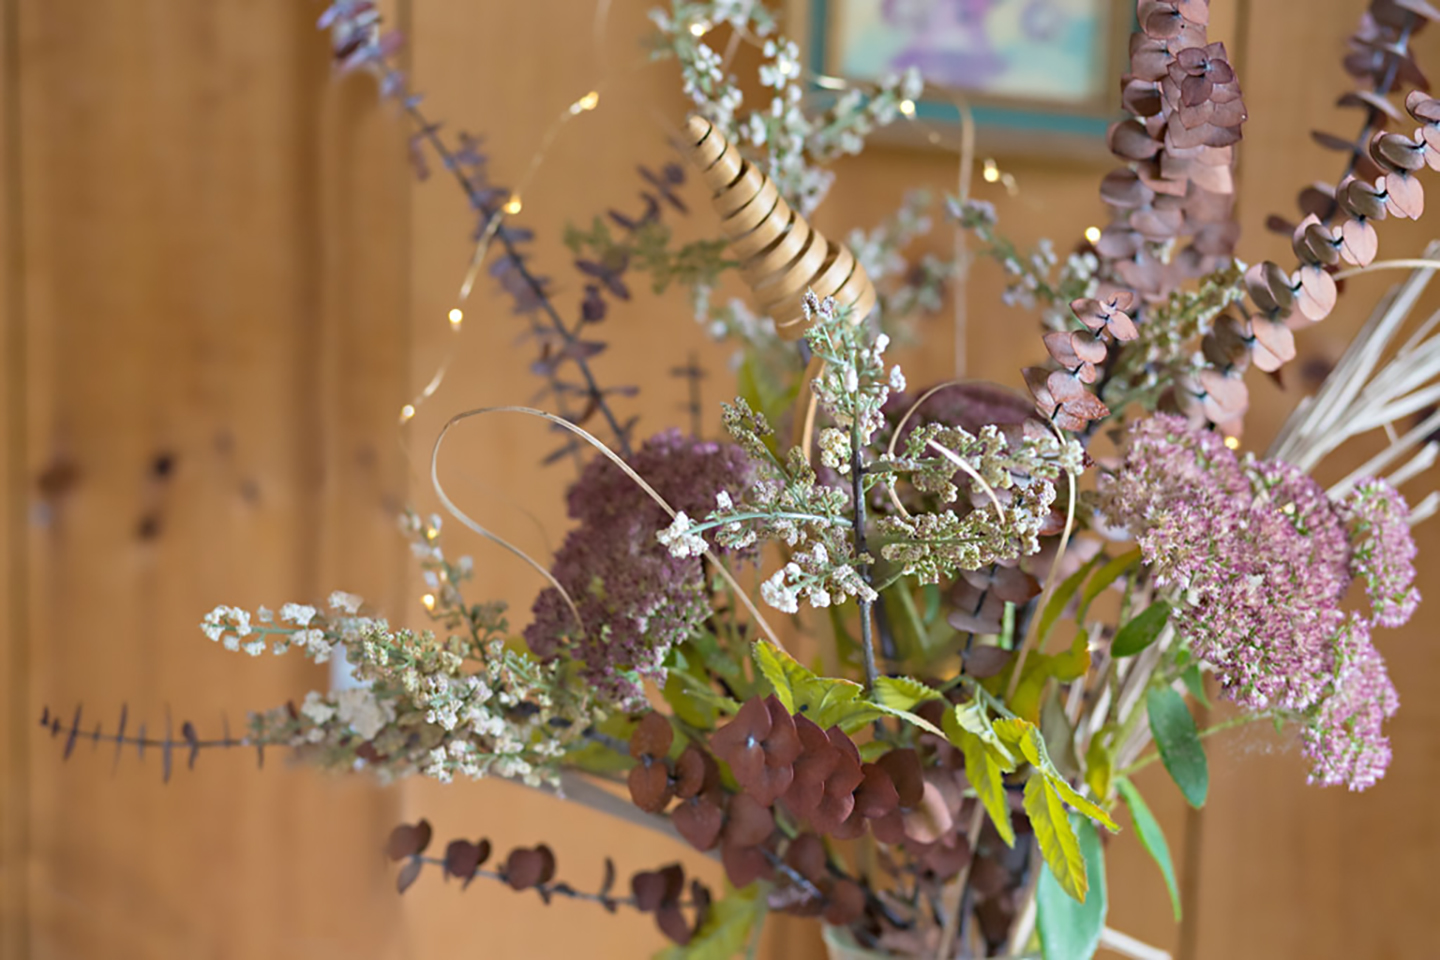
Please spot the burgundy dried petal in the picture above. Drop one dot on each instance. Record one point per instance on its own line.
(845, 904)
(1360, 242)
(1405, 198)
(1317, 293)
(529, 868)
(695, 773)
(463, 858)
(652, 737)
(744, 865)
(806, 856)
(876, 795)
(650, 787)
(906, 774)
(699, 821)
(749, 822)
(408, 840)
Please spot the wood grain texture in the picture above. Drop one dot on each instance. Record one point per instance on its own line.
(214, 322)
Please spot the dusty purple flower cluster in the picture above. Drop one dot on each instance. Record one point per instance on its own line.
(1259, 561)
(1383, 550)
(636, 599)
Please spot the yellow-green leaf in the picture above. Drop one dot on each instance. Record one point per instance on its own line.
(727, 929)
(1070, 930)
(782, 670)
(1029, 742)
(969, 718)
(985, 775)
(903, 693)
(1099, 769)
(1056, 838)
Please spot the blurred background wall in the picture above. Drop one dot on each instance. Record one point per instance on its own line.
(220, 283)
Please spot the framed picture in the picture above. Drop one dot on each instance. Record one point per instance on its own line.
(1031, 71)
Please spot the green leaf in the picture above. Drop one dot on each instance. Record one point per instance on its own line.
(1031, 743)
(1071, 930)
(1056, 837)
(1106, 575)
(1060, 598)
(933, 597)
(903, 693)
(726, 930)
(1152, 838)
(1179, 743)
(1099, 768)
(969, 718)
(1195, 683)
(912, 640)
(1141, 631)
(828, 701)
(985, 775)
(782, 670)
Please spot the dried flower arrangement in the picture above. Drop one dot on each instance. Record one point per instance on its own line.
(1021, 641)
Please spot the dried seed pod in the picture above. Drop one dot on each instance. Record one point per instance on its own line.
(781, 255)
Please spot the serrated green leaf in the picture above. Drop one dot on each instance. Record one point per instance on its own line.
(1027, 739)
(984, 774)
(1142, 630)
(1179, 742)
(782, 670)
(1060, 598)
(914, 719)
(827, 701)
(726, 931)
(1152, 838)
(1070, 930)
(969, 718)
(903, 693)
(1106, 575)
(1056, 837)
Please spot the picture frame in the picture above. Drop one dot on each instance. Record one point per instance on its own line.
(982, 53)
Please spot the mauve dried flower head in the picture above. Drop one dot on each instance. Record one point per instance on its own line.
(1259, 560)
(636, 598)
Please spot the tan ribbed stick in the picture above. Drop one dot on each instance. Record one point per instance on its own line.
(781, 256)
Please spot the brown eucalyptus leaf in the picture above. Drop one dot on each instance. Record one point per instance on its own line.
(648, 888)
(653, 736)
(1160, 21)
(699, 821)
(1225, 395)
(1122, 188)
(408, 875)
(526, 868)
(1157, 224)
(744, 865)
(750, 823)
(1274, 344)
(1069, 421)
(1323, 243)
(1420, 8)
(1404, 196)
(1087, 347)
(695, 773)
(1269, 287)
(1129, 140)
(845, 904)
(930, 820)
(1035, 380)
(1360, 242)
(1086, 407)
(1142, 96)
(1432, 147)
(1361, 200)
(876, 795)
(1195, 91)
(1423, 107)
(806, 856)
(1196, 11)
(1317, 292)
(1332, 141)
(1368, 100)
(671, 921)
(463, 858)
(1397, 152)
(983, 661)
(650, 787)
(408, 840)
(1064, 386)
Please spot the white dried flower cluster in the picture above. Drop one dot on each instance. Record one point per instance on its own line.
(854, 384)
(810, 575)
(790, 143)
(299, 625)
(679, 539)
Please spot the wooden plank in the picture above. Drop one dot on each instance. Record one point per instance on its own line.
(214, 328)
(1287, 869)
(16, 730)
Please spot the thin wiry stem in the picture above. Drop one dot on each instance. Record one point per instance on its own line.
(857, 479)
(596, 396)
